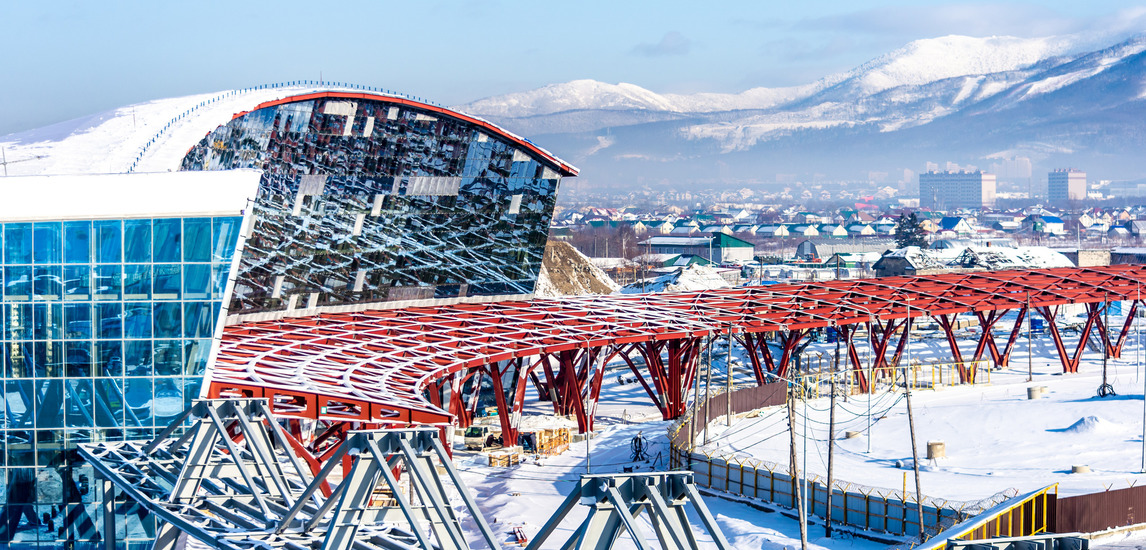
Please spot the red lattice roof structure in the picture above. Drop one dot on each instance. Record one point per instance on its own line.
(373, 366)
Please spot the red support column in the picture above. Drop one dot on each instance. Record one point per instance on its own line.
(648, 389)
(1070, 363)
(848, 332)
(948, 322)
(750, 342)
(1115, 349)
(1001, 359)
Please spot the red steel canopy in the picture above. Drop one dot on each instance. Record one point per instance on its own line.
(373, 366)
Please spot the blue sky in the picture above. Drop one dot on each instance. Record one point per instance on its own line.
(63, 60)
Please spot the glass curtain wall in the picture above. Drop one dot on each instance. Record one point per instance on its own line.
(107, 326)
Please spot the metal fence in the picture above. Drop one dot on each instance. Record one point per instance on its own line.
(1100, 511)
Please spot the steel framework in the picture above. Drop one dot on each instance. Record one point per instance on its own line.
(425, 365)
(235, 480)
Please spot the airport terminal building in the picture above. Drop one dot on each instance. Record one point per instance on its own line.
(116, 287)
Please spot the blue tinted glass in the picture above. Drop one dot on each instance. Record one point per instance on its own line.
(197, 320)
(18, 321)
(137, 320)
(18, 361)
(197, 240)
(48, 322)
(225, 235)
(168, 234)
(77, 242)
(109, 242)
(137, 395)
(137, 357)
(77, 282)
(168, 320)
(167, 356)
(79, 413)
(219, 274)
(46, 283)
(136, 282)
(49, 359)
(17, 283)
(108, 322)
(197, 352)
(78, 358)
(137, 241)
(77, 321)
(109, 357)
(197, 282)
(168, 398)
(167, 282)
(108, 282)
(46, 239)
(18, 243)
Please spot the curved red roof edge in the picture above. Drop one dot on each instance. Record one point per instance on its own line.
(563, 167)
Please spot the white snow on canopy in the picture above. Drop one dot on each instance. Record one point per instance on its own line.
(986, 257)
(693, 277)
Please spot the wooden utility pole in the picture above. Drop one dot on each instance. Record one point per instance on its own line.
(793, 469)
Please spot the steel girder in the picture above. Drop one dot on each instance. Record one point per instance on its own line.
(376, 366)
(615, 503)
(232, 482)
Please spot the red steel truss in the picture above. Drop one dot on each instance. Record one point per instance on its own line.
(416, 365)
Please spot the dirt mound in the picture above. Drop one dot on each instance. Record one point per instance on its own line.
(567, 272)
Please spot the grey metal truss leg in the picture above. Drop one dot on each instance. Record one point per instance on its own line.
(348, 515)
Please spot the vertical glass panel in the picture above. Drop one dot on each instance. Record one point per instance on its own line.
(168, 400)
(77, 282)
(139, 399)
(137, 357)
(168, 236)
(197, 282)
(197, 320)
(46, 240)
(50, 404)
(49, 321)
(109, 356)
(219, 274)
(191, 390)
(19, 399)
(168, 320)
(78, 321)
(168, 282)
(78, 358)
(167, 357)
(108, 404)
(17, 283)
(46, 283)
(18, 360)
(49, 448)
(80, 408)
(108, 282)
(18, 321)
(137, 320)
(108, 323)
(77, 242)
(109, 242)
(49, 359)
(137, 241)
(197, 240)
(197, 352)
(18, 243)
(225, 235)
(136, 282)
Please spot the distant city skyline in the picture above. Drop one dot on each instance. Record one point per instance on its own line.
(69, 59)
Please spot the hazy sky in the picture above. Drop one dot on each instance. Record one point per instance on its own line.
(61, 60)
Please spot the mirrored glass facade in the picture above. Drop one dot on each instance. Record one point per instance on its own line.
(365, 200)
(106, 331)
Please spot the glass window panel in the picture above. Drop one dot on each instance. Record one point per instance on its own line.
(137, 357)
(197, 320)
(49, 447)
(49, 359)
(108, 323)
(78, 359)
(77, 321)
(109, 357)
(197, 352)
(77, 282)
(167, 357)
(49, 321)
(168, 320)
(46, 240)
(225, 235)
(108, 282)
(79, 411)
(109, 242)
(197, 240)
(19, 401)
(18, 243)
(136, 282)
(50, 404)
(18, 320)
(168, 282)
(191, 390)
(77, 242)
(137, 320)
(17, 283)
(168, 234)
(219, 275)
(137, 241)
(18, 360)
(138, 397)
(46, 283)
(168, 400)
(197, 282)
(108, 403)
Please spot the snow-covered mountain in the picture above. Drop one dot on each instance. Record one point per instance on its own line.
(951, 98)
